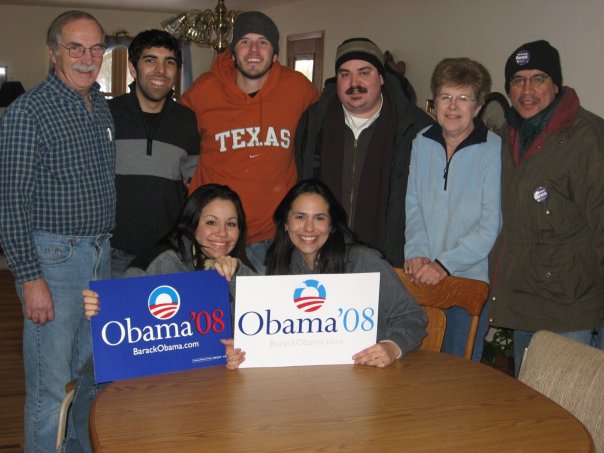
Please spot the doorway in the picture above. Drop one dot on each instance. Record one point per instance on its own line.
(305, 54)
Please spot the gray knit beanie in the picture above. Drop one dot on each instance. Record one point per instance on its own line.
(360, 49)
(255, 22)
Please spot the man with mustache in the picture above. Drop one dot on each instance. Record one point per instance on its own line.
(548, 263)
(157, 146)
(247, 109)
(57, 207)
(357, 139)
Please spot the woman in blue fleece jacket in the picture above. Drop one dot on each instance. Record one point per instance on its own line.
(453, 195)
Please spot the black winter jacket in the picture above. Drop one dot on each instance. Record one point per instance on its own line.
(409, 120)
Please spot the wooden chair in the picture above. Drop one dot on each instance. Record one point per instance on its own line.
(572, 375)
(450, 292)
(63, 413)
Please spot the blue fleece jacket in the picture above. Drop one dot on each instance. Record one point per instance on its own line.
(453, 208)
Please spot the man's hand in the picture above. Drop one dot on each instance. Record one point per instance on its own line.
(38, 301)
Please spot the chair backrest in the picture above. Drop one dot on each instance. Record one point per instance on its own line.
(437, 322)
(571, 374)
(450, 292)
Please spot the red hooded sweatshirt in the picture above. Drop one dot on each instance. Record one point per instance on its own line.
(247, 142)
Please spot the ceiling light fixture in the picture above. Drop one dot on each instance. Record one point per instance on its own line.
(212, 28)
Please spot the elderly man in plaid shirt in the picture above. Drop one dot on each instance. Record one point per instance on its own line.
(57, 207)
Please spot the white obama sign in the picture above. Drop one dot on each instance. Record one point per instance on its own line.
(305, 319)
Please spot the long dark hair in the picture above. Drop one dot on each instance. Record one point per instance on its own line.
(182, 238)
(331, 258)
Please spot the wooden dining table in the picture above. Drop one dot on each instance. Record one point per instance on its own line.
(426, 401)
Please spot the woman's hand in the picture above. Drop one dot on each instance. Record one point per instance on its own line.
(379, 355)
(430, 274)
(226, 266)
(414, 264)
(235, 357)
(91, 303)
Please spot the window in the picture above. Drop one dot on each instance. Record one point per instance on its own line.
(304, 64)
(115, 77)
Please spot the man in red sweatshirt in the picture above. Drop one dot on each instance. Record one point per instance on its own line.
(247, 110)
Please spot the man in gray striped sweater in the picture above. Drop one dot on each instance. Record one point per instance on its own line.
(157, 146)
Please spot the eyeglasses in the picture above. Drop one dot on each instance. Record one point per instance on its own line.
(76, 50)
(460, 100)
(536, 80)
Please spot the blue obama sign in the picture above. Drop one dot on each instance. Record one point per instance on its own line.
(160, 323)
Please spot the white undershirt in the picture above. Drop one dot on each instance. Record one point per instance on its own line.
(358, 124)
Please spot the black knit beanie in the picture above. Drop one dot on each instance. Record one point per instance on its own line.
(255, 22)
(534, 55)
(360, 49)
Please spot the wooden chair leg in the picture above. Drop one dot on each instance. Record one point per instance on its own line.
(471, 337)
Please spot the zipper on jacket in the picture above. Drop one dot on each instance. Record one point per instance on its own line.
(151, 133)
(353, 182)
(446, 173)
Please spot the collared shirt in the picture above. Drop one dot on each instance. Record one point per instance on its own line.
(358, 124)
(57, 163)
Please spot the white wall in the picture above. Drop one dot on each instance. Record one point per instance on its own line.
(422, 32)
(23, 37)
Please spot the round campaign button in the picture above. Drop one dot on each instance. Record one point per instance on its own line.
(523, 57)
(541, 194)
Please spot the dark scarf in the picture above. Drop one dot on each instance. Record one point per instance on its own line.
(372, 197)
(530, 128)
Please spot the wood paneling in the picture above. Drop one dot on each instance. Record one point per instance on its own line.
(12, 389)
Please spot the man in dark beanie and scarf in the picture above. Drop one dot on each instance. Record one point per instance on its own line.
(548, 264)
(357, 139)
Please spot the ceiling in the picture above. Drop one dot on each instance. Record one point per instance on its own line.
(172, 6)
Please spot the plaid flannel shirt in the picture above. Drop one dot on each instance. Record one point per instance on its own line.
(57, 164)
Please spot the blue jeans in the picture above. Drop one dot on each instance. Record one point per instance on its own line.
(522, 338)
(456, 332)
(120, 261)
(256, 253)
(55, 352)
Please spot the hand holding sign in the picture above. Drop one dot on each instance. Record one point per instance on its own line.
(306, 319)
